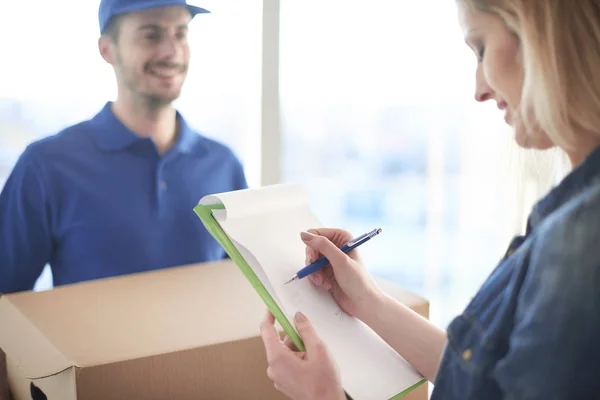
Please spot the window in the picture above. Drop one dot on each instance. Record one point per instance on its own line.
(379, 120)
(222, 95)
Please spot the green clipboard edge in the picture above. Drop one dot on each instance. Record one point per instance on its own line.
(204, 212)
(408, 390)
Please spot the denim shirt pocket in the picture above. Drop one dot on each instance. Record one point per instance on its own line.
(473, 350)
(465, 368)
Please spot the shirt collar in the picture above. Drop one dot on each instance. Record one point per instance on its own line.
(581, 177)
(112, 134)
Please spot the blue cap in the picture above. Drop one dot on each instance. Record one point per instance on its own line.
(110, 8)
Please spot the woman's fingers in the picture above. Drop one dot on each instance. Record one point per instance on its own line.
(270, 336)
(328, 278)
(324, 246)
(290, 345)
(317, 278)
(338, 237)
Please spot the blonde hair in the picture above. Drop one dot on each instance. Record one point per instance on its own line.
(560, 49)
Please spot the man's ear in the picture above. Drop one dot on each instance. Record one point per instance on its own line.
(107, 49)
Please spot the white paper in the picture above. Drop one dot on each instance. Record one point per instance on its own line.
(265, 225)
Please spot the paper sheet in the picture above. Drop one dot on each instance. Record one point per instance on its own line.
(265, 225)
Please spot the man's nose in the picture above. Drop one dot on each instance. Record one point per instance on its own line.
(169, 47)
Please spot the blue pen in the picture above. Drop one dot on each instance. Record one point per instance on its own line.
(323, 261)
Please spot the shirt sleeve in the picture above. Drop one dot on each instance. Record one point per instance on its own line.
(554, 347)
(25, 231)
(239, 176)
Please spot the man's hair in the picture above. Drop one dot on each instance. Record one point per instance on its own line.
(560, 53)
(112, 28)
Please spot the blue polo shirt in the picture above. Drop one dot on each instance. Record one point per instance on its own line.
(96, 200)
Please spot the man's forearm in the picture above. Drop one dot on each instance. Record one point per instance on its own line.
(415, 338)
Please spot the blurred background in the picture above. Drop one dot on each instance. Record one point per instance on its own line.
(369, 104)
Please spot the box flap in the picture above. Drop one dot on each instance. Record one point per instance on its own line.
(39, 357)
(129, 317)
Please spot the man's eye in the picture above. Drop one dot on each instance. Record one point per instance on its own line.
(153, 37)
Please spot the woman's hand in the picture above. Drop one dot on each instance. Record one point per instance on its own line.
(301, 375)
(358, 295)
(346, 278)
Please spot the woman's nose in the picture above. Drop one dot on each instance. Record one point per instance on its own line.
(483, 91)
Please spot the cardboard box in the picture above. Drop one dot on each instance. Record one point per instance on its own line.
(3, 377)
(183, 333)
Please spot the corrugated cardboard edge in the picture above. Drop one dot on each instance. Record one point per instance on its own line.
(40, 358)
(228, 370)
(4, 395)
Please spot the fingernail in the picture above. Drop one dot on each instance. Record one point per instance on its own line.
(300, 317)
(306, 236)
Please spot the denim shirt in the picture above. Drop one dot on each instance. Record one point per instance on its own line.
(533, 329)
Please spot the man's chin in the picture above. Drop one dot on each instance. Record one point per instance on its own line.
(162, 99)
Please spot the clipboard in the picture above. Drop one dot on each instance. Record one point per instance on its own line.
(205, 213)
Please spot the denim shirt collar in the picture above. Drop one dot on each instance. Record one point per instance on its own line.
(581, 177)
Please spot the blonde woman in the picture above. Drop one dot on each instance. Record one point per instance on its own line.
(533, 329)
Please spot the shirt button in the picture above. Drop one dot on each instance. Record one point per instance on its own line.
(510, 252)
(163, 185)
(466, 355)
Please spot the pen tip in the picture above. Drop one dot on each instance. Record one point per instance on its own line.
(379, 230)
(293, 278)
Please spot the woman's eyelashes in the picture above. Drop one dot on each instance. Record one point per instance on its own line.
(480, 52)
(476, 44)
